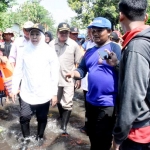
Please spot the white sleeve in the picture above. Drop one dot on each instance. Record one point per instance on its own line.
(54, 62)
(17, 75)
(13, 53)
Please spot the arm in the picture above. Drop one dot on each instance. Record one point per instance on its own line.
(79, 73)
(77, 55)
(133, 91)
(17, 76)
(13, 54)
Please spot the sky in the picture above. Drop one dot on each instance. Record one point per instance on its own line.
(58, 8)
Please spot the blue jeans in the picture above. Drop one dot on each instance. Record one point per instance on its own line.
(131, 145)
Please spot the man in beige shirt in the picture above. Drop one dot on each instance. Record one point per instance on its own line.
(69, 55)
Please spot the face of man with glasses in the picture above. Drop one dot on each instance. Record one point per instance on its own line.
(100, 35)
(63, 35)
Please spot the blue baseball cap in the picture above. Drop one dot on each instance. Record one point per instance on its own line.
(100, 22)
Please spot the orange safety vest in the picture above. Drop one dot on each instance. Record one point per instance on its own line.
(6, 79)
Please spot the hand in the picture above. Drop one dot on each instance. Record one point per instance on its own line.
(54, 100)
(4, 59)
(112, 61)
(69, 75)
(14, 97)
(115, 146)
(77, 84)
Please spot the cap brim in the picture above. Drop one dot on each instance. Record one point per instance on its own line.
(97, 26)
(36, 29)
(63, 29)
(8, 33)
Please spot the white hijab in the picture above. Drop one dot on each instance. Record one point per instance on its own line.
(41, 42)
(42, 45)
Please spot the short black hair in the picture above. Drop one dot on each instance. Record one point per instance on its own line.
(134, 10)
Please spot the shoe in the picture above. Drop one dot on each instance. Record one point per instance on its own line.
(40, 141)
(83, 129)
(25, 143)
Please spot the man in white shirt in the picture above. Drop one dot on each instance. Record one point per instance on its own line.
(20, 43)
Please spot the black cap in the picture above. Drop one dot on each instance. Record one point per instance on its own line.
(114, 36)
(63, 27)
(74, 30)
(37, 27)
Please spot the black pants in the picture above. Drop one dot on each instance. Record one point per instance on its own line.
(85, 92)
(99, 126)
(131, 145)
(26, 111)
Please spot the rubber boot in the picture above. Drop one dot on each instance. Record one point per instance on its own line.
(65, 118)
(26, 133)
(41, 129)
(25, 130)
(60, 109)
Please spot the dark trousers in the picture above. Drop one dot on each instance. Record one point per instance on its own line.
(99, 126)
(131, 145)
(26, 111)
(84, 93)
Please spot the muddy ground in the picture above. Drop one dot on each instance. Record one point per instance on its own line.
(11, 137)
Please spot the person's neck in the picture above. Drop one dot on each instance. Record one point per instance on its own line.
(8, 41)
(62, 42)
(131, 25)
(26, 38)
(100, 45)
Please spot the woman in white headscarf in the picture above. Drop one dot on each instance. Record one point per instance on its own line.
(38, 71)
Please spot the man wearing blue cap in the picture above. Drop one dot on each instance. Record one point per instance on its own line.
(102, 85)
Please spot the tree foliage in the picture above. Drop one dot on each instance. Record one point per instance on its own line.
(87, 10)
(148, 11)
(4, 4)
(32, 11)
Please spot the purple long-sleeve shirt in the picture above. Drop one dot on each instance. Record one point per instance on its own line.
(102, 78)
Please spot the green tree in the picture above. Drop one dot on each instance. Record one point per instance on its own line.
(4, 4)
(148, 11)
(28, 11)
(87, 10)
(36, 13)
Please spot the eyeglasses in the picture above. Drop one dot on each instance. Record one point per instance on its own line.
(63, 32)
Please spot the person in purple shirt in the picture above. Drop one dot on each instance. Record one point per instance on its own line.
(102, 88)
